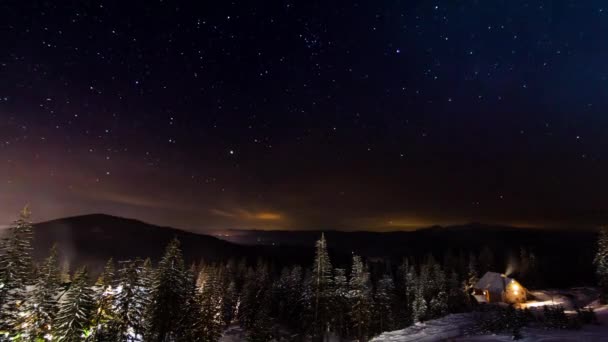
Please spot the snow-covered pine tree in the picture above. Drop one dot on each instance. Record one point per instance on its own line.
(210, 295)
(341, 303)
(384, 299)
(410, 284)
(73, 321)
(40, 308)
(228, 306)
(192, 324)
(471, 279)
(438, 305)
(261, 328)
(104, 303)
(130, 301)
(601, 263)
(419, 305)
(322, 290)
(168, 296)
(360, 299)
(280, 293)
(16, 271)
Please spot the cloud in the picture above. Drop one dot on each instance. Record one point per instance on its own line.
(248, 216)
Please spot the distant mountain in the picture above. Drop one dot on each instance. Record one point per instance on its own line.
(92, 239)
(565, 256)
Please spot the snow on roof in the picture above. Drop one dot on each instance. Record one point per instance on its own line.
(493, 281)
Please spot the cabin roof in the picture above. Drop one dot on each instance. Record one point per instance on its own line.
(493, 281)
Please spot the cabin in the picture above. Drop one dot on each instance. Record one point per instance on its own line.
(498, 288)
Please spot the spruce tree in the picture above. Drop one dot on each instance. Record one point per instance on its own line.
(384, 299)
(210, 301)
(41, 305)
(360, 299)
(601, 263)
(261, 328)
(130, 302)
(419, 305)
(104, 303)
(322, 290)
(73, 321)
(341, 303)
(192, 324)
(168, 296)
(15, 271)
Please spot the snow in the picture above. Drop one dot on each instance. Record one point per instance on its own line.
(453, 327)
(447, 327)
(234, 333)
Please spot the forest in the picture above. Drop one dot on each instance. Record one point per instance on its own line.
(169, 300)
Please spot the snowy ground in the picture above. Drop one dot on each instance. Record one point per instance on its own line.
(453, 327)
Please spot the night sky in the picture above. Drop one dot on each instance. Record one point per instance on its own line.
(376, 115)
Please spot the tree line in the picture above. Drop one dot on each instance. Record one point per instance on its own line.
(135, 300)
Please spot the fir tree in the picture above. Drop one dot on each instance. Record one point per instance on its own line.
(131, 300)
(168, 296)
(72, 323)
(104, 303)
(438, 305)
(471, 279)
(261, 328)
(360, 299)
(383, 304)
(322, 290)
(210, 299)
(41, 306)
(601, 263)
(192, 324)
(341, 303)
(419, 305)
(15, 270)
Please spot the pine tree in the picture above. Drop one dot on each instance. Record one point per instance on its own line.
(210, 299)
(438, 305)
(104, 303)
(322, 290)
(228, 305)
(419, 305)
(192, 324)
(384, 299)
(472, 278)
(601, 263)
(72, 323)
(410, 285)
(168, 296)
(40, 308)
(341, 303)
(15, 270)
(360, 299)
(131, 300)
(261, 328)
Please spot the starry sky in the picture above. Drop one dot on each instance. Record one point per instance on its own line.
(375, 115)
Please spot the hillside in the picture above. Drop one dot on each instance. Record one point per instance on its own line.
(92, 239)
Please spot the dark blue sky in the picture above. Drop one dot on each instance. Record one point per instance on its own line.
(306, 114)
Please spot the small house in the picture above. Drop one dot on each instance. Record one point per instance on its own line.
(498, 288)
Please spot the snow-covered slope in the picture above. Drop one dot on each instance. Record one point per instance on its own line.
(454, 327)
(447, 327)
